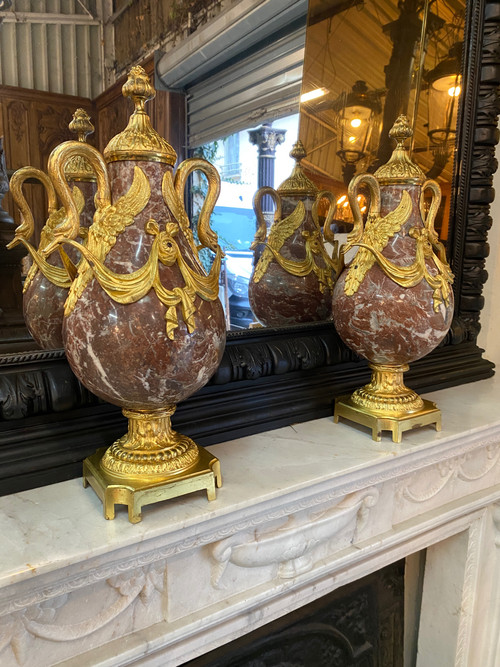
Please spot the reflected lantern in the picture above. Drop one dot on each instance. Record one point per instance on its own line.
(358, 113)
(445, 86)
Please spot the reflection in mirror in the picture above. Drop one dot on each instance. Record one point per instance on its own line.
(293, 276)
(50, 272)
(366, 62)
(247, 160)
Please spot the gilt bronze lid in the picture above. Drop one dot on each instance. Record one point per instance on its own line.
(400, 169)
(78, 167)
(297, 183)
(139, 141)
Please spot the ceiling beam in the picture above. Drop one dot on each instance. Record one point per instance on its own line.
(60, 19)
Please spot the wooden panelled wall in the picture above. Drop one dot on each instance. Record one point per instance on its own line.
(34, 122)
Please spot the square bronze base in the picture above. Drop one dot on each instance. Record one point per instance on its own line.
(114, 490)
(429, 414)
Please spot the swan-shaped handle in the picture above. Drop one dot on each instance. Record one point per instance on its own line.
(261, 233)
(208, 238)
(57, 160)
(27, 227)
(356, 234)
(329, 236)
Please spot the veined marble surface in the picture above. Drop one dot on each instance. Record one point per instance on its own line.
(303, 510)
(53, 527)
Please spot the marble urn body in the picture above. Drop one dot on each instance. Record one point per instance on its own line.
(145, 354)
(393, 303)
(383, 321)
(47, 282)
(143, 326)
(293, 275)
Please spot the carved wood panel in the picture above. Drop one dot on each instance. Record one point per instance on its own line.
(33, 123)
(144, 24)
(478, 137)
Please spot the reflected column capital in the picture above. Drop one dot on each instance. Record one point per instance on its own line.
(267, 138)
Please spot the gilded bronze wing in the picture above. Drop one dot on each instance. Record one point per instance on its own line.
(108, 223)
(378, 231)
(280, 231)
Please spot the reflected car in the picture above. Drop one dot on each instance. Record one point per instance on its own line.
(239, 270)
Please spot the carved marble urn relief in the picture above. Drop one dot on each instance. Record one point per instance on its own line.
(46, 285)
(143, 325)
(393, 302)
(293, 275)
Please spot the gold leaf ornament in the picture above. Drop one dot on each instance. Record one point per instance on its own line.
(49, 238)
(60, 276)
(429, 250)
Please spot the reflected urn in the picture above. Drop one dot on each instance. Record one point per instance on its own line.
(143, 326)
(393, 303)
(46, 285)
(293, 274)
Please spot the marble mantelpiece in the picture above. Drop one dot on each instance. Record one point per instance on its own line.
(303, 510)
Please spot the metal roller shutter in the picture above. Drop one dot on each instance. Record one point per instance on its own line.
(241, 72)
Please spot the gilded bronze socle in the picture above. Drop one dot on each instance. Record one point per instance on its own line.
(136, 493)
(386, 404)
(150, 448)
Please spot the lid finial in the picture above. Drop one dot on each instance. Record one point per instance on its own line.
(297, 183)
(78, 168)
(81, 125)
(400, 169)
(139, 140)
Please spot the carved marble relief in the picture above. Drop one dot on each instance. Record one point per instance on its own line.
(291, 544)
(128, 600)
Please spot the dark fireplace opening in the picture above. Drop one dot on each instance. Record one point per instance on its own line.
(358, 625)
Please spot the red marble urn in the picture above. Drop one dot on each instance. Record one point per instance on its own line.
(393, 303)
(46, 285)
(293, 275)
(143, 326)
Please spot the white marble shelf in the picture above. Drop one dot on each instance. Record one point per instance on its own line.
(323, 493)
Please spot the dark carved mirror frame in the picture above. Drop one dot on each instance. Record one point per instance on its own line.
(270, 378)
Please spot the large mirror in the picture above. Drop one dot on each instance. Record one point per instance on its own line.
(365, 62)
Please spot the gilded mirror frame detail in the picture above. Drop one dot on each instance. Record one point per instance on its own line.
(271, 377)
